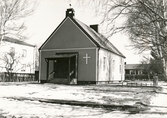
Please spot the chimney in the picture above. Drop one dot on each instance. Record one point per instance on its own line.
(70, 12)
(94, 27)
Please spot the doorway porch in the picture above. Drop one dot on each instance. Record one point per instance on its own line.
(62, 68)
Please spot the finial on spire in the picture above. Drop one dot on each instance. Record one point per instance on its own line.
(70, 12)
(70, 5)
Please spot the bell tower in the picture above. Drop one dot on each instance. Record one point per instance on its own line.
(70, 12)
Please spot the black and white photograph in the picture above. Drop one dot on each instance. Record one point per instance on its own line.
(83, 58)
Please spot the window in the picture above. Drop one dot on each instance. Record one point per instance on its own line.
(127, 72)
(120, 68)
(113, 65)
(132, 72)
(24, 53)
(12, 53)
(23, 67)
(104, 63)
(12, 49)
(140, 72)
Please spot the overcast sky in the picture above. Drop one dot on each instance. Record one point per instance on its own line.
(49, 14)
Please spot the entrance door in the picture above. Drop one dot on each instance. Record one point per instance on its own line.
(64, 68)
(61, 68)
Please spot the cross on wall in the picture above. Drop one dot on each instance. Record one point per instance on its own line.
(86, 57)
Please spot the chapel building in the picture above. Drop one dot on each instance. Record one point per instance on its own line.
(78, 54)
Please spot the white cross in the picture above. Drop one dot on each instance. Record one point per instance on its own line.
(86, 57)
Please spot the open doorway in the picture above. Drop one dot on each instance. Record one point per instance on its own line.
(61, 68)
(64, 68)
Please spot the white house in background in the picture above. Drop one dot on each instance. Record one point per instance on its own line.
(24, 52)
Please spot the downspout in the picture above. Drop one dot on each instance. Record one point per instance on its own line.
(34, 59)
(47, 69)
(39, 79)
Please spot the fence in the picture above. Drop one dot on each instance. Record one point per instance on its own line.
(17, 77)
(143, 77)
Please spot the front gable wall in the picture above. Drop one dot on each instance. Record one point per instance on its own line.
(68, 35)
(86, 72)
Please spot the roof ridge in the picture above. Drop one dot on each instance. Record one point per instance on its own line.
(100, 39)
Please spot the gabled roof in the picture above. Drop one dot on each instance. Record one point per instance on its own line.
(98, 39)
(135, 66)
(16, 41)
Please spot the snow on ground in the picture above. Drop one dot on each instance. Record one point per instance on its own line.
(28, 109)
(100, 94)
(65, 92)
(159, 101)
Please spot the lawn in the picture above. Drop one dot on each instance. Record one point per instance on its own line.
(52, 100)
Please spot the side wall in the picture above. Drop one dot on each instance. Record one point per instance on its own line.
(111, 67)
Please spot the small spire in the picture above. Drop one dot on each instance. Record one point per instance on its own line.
(70, 5)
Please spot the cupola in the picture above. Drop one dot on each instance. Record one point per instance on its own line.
(70, 13)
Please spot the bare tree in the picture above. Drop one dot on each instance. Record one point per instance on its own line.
(12, 14)
(10, 61)
(144, 21)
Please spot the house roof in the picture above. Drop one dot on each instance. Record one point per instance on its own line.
(98, 39)
(135, 66)
(16, 41)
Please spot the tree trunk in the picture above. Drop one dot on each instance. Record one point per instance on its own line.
(2, 35)
(165, 69)
(165, 28)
